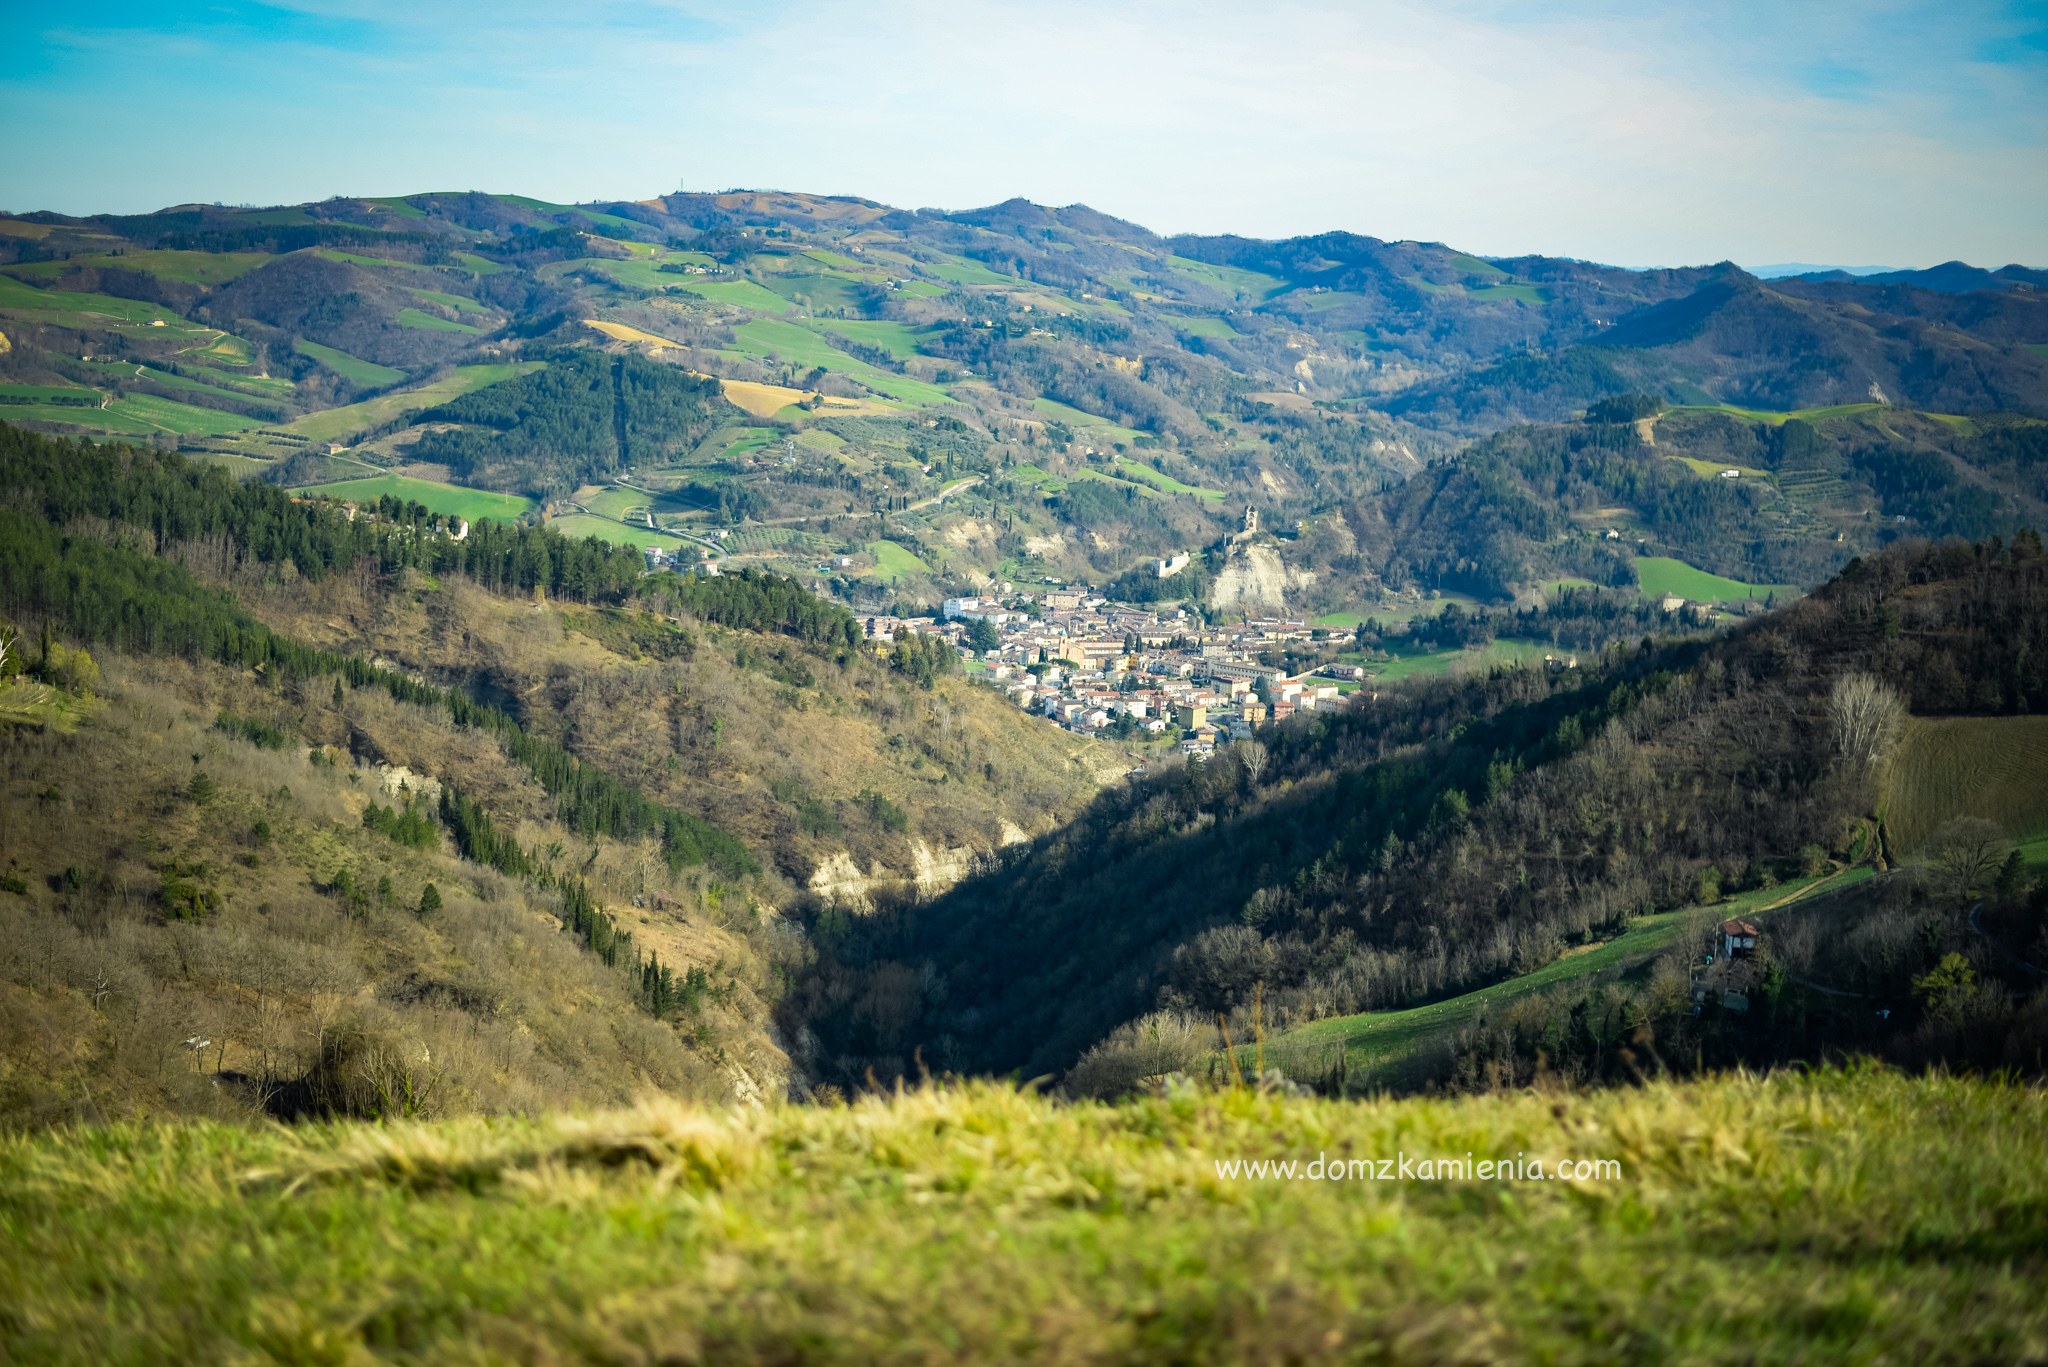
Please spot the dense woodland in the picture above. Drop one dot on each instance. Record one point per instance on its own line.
(585, 417)
(509, 798)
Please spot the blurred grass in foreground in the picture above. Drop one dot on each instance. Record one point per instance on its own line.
(1845, 1216)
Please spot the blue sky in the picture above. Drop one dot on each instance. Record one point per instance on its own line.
(1897, 133)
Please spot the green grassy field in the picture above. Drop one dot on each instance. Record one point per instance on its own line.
(241, 467)
(1035, 477)
(448, 301)
(1505, 293)
(1229, 279)
(1205, 327)
(186, 268)
(414, 318)
(789, 344)
(616, 501)
(452, 500)
(1435, 663)
(957, 270)
(1711, 469)
(225, 349)
(1660, 575)
(1085, 424)
(1395, 612)
(353, 259)
(898, 339)
(639, 273)
(1484, 292)
(1145, 474)
(1320, 302)
(334, 423)
(1473, 265)
(1822, 414)
(70, 309)
(2039, 349)
(183, 419)
(818, 289)
(398, 206)
(1146, 490)
(50, 393)
(604, 529)
(236, 391)
(747, 294)
(1385, 1045)
(1943, 767)
(894, 562)
(259, 386)
(1834, 1216)
(135, 415)
(87, 419)
(354, 369)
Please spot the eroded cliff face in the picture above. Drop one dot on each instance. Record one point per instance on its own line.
(1255, 581)
(931, 869)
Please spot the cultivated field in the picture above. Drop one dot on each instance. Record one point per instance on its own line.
(134, 415)
(625, 332)
(1993, 767)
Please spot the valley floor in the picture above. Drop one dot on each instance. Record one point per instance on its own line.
(1856, 1216)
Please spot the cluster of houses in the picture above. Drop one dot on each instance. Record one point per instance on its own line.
(682, 559)
(1090, 665)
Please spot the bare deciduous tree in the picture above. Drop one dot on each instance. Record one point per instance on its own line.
(1967, 848)
(1253, 757)
(1865, 718)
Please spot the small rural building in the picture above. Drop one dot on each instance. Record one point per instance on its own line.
(1738, 938)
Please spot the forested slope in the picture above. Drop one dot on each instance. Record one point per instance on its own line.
(1426, 841)
(651, 769)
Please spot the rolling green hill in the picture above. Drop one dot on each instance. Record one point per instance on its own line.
(910, 351)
